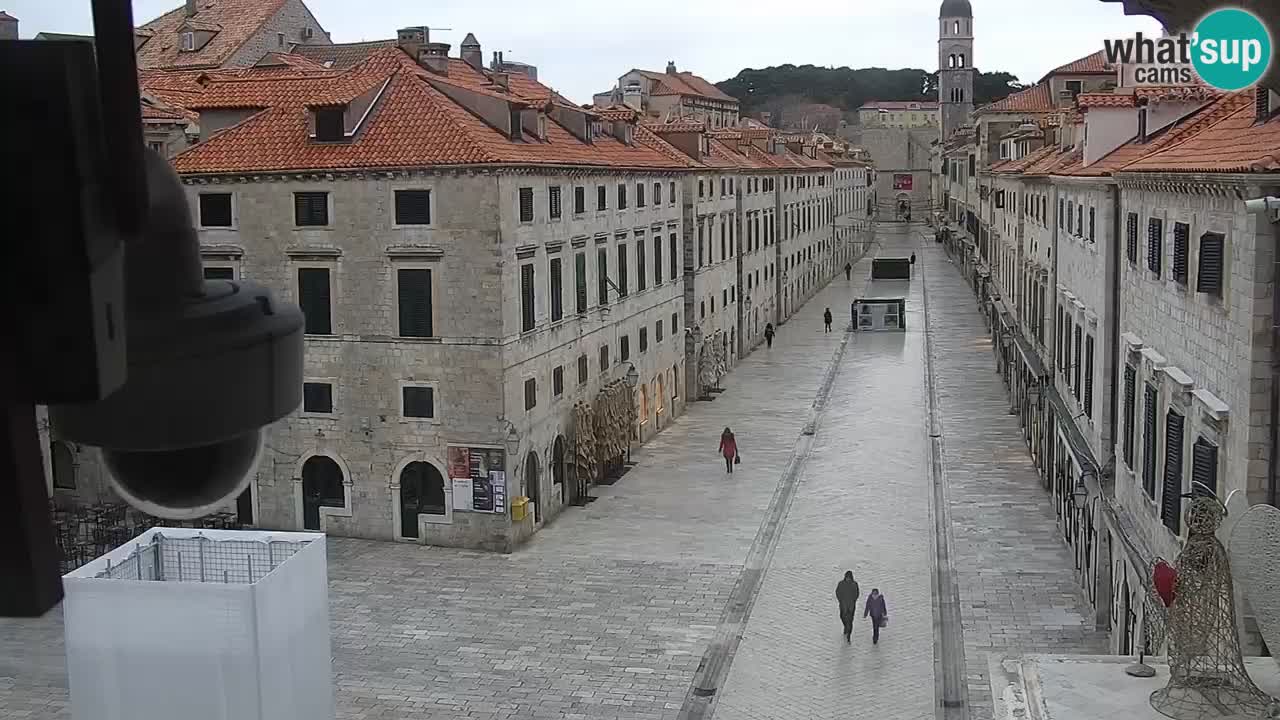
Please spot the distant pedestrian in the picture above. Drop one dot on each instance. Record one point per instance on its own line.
(729, 449)
(847, 596)
(878, 613)
(826, 319)
(848, 271)
(768, 334)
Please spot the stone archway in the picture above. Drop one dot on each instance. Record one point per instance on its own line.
(421, 491)
(532, 483)
(322, 486)
(559, 468)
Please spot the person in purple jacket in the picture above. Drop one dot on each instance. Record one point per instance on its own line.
(878, 613)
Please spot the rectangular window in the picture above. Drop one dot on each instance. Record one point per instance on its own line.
(215, 210)
(701, 247)
(1204, 467)
(1080, 221)
(639, 195)
(582, 369)
(657, 332)
(602, 198)
(413, 207)
(414, 287)
(1181, 250)
(528, 316)
(622, 197)
(1062, 214)
(624, 348)
(1210, 270)
(557, 381)
(602, 276)
(604, 358)
(557, 290)
(317, 397)
(313, 295)
(579, 200)
(622, 270)
(418, 401)
(671, 192)
(530, 394)
(1075, 370)
(1093, 216)
(1131, 238)
(657, 193)
(219, 273)
(553, 202)
(1171, 492)
(1130, 393)
(311, 209)
(1071, 213)
(1088, 377)
(644, 340)
(701, 189)
(657, 259)
(675, 323)
(526, 204)
(1155, 245)
(1149, 414)
(641, 280)
(580, 282)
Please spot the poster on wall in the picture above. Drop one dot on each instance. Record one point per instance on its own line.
(483, 472)
(903, 181)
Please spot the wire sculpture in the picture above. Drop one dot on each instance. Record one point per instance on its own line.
(1207, 675)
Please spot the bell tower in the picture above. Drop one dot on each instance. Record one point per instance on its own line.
(955, 64)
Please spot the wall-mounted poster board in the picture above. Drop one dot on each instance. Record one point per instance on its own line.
(478, 477)
(903, 181)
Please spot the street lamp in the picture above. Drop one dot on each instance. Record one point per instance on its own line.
(632, 377)
(513, 440)
(1080, 493)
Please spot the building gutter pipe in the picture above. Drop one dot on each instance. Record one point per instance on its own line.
(1113, 279)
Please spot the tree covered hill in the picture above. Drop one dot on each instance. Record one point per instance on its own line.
(778, 88)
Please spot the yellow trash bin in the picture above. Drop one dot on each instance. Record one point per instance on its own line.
(519, 508)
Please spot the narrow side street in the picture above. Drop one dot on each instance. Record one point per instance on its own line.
(1018, 591)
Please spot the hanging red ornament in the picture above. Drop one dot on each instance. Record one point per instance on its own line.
(1166, 582)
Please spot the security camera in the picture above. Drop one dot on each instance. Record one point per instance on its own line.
(210, 363)
(1267, 204)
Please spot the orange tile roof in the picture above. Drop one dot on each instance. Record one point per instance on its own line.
(1225, 139)
(412, 125)
(684, 83)
(1053, 163)
(677, 126)
(1112, 100)
(1027, 160)
(1093, 64)
(342, 55)
(233, 22)
(1178, 93)
(1036, 98)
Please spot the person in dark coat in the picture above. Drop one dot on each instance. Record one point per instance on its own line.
(848, 271)
(768, 334)
(729, 449)
(878, 613)
(826, 319)
(847, 596)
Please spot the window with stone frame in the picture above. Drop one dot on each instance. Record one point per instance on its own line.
(526, 204)
(622, 196)
(413, 207)
(582, 369)
(1210, 270)
(553, 202)
(1204, 468)
(314, 297)
(530, 394)
(1155, 245)
(1171, 491)
(1093, 216)
(317, 397)
(1076, 366)
(657, 194)
(1130, 401)
(1131, 238)
(641, 269)
(657, 259)
(644, 340)
(623, 288)
(657, 331)
(602, 276)
(673, 257)
(1088, 377)
(1150, 412)
(413, 285)
(215, 210)
(604, 358)
(602, 198)
(640, 195)
(418, 401)
(528, 311)
(624, 348)
(311, 209)
(556, 288)
(1181, 252)
(675, 323)
(1080, 221)
(580, 282)
(557, 381)
(579, 200)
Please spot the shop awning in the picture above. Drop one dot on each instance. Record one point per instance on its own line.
(1079, 447)
(1030, 357)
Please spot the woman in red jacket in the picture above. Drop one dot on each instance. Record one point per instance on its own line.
(729, 449)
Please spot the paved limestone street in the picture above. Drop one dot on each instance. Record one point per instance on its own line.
(609, 611)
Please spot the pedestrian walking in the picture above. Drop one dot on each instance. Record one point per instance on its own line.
(826, 319)
(878, 613)
(729, 449)
(848, 271)
(768, 334)
(847, 596)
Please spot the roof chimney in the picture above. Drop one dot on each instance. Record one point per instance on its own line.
(191, 8)
(411, 39)
(1262, 104)
(471, 53)
(671, 67)
(503, 81)
(8, 26)
(435, 57)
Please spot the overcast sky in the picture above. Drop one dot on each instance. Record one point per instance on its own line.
(581, 47)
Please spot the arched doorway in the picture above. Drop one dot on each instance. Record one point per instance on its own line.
(421, 491)
(660, 393)
(644, 404)
(531, 488)
(559, 474)
(322, 486)
(64, 466)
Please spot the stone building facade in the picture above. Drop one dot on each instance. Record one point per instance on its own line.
(672, 95)
(204, 34)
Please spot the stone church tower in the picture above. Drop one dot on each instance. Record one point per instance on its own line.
(955, 64)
